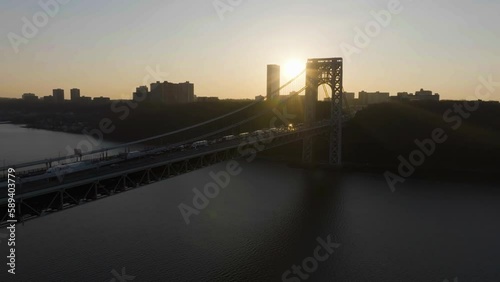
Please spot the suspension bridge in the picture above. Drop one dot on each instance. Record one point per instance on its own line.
(49, 185)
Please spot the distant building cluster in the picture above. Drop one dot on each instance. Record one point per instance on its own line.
(29, 97)
(364, 98)
(370, 98)
(101, 99)
(422, 95)
(166, 92)
(180, 93)
(163, 92)
(58, 97)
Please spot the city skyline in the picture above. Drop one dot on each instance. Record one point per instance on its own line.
(143, 91)
(109, 49)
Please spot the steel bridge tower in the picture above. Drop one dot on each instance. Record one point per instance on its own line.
(318, 72)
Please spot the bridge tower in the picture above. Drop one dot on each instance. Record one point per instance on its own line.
(324, 71)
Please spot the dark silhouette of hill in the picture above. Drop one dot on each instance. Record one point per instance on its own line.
(381, 133)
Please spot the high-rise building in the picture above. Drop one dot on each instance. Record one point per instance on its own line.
(273, 82)
(422, 95)
(30, 97)
(141, 94)
(58, 95)
(156, 91)
(185, 92)
(172, 93)
(423, 92)
(404, 95)
(75, 94)
(348, 98)
(426, 95)
(367, 98)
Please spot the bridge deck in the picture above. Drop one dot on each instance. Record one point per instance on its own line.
(40, 196)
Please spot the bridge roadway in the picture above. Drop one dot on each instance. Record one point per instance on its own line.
(34, 193)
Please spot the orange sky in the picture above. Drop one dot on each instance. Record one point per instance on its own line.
(108, 49)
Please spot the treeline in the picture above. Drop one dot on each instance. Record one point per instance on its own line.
(469, 135)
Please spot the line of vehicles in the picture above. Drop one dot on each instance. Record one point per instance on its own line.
(60, 170)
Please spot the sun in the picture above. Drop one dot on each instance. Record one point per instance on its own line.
(292, 68)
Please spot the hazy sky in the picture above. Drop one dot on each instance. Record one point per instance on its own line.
(106, 47)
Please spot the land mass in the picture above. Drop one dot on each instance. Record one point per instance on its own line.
(450, 135)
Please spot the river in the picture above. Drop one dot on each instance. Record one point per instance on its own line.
(268, 218)
(19, 144)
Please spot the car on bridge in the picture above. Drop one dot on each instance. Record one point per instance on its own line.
(274, 129)
(228, 137)
(197, 144)
(244, 135)
(134, 155)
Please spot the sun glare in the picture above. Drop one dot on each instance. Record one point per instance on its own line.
(292, 68)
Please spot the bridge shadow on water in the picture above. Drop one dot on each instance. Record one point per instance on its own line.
(312, 214)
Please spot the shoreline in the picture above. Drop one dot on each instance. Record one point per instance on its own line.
(28, 126)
